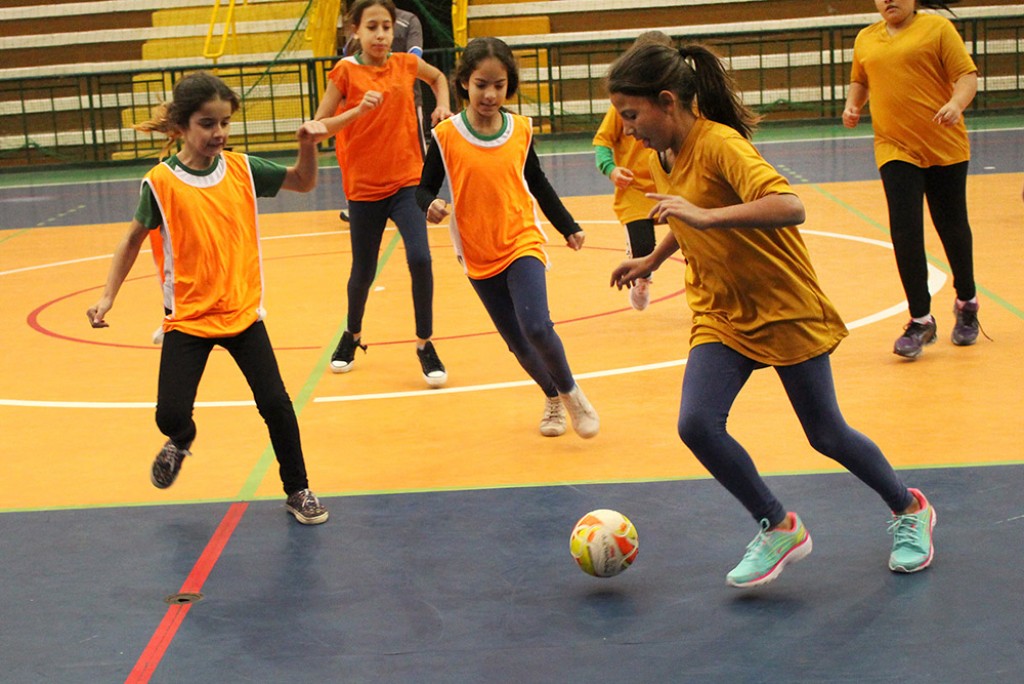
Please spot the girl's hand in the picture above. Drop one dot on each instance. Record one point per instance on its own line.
(677, 207)
(440, 113)
(575, 240)
(371, 100)
(311, 132)
(621, 177)
(626, 273)
(437, 211)
(851, 117)
(949, 115)
(97, 312)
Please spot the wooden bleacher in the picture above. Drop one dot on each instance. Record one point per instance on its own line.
(40, 44)
(782, 71)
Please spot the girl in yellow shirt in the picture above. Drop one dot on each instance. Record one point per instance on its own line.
(755, 297)
(626, 162)
(920, 77)
(199, 209)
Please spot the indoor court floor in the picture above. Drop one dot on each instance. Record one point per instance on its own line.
(446, 555)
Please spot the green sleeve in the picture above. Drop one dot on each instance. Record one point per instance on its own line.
(267, 176)
(148, 211)
(605, 159)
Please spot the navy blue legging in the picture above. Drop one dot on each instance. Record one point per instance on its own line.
(367, 221)
(945, 187)
(714, 376)
(183, 359)
(517, 301)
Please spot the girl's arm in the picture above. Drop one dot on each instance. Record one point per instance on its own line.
(333, 99)
(626, 273)
(771, 211)
(856, 98)
(430, 184)
(124, 258)
(964, 90)
(433, 77)
(550, 203)
(302, 176)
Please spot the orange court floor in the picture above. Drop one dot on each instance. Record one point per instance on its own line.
(76, 403)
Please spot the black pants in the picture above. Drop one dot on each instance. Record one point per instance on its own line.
(182, 362)
(945, 187)
(640, 239)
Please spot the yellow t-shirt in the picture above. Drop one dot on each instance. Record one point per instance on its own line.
(494, 218)
(380, 152)
(753, 290)
(631, 204)
(909, 77)
(207, 249)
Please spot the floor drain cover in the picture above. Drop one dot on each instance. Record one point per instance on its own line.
(183, 598)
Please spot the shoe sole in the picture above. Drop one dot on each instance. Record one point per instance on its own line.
(963, 343)
(306, 520)
(556, 432)
(797, 553)
(931, 552)
(341, 369)
(916, 354)
(436, 381)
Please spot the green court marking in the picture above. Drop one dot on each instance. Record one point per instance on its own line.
(941, 265)
(268, 458)
(535, 485)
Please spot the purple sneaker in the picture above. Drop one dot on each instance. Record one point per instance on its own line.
(965, 331)
(915, 337)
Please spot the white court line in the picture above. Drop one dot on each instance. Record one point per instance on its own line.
(936, 280)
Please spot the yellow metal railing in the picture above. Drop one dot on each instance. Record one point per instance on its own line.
(322, 29)
(229, 29)
(460, 22)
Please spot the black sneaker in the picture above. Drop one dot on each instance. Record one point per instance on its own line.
(306, 508)
(343, 216)
(433, 370)
(916, 336)
(167, 464)
(345, 353)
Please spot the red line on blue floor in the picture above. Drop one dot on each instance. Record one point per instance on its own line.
(161, 639)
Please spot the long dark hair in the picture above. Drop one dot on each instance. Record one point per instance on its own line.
(189, 94)
(693, 73)
(477, 51)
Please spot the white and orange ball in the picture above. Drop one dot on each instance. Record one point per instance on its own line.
(604, 543)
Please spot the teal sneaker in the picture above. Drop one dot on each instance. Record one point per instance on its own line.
(769, 553)
(912, 547)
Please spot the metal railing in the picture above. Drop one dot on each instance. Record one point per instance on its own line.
(795, 74)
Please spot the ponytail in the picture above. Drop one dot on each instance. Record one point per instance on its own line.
(693, 73)
(161, 123)
(938, 5)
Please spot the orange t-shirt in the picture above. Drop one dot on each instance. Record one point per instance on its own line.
(494, 218)
(207, 249)
(379, 153)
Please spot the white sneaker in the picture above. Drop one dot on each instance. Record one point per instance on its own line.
(584, 418)
(552, 423)
(640, 293)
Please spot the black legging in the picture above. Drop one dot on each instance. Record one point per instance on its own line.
(183, 358)
(945, 187)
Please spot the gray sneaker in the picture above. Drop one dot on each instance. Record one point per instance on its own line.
(916, 336)
(167, 464)
(306, 508)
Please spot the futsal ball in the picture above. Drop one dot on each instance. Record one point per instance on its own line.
(604, 543)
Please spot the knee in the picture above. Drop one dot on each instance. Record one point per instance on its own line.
(173, 421)
(695, 429)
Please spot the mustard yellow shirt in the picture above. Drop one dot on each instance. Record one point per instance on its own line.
(753, 290)
(909, 77)
(631, 203)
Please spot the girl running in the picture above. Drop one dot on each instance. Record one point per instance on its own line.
(369, 107)
(755, 298)
(494, 174)
(198, 208)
